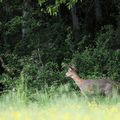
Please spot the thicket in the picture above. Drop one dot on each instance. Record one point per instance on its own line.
(38, 61)
(37, 72)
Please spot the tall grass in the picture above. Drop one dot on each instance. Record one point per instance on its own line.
(57, 103)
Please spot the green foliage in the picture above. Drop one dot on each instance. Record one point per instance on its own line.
(13, 25)
(37, 59)
(40, 70)
(99, 61)
(7, 81)
(31, 76)
(53, 9)
(38, 77)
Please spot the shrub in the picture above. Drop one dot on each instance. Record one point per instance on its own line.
(102, 60)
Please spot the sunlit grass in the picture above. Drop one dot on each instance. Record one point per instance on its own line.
(74, 111)
(59, 107)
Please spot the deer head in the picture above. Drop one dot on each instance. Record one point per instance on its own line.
(71, 71)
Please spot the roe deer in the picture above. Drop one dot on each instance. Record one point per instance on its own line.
(90, 86)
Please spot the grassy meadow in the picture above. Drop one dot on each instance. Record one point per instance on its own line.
(61, 105)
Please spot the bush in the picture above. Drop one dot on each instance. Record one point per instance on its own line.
(40, 76)
(102, 60)
(31, 74)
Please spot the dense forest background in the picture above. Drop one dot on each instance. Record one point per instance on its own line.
(39, 37)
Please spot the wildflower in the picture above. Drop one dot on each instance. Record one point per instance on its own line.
(92, 105)
(16, 115)
(67, 116)
(87, 117)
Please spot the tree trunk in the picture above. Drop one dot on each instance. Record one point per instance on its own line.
(6, 18)
(74, 18)
(26, 6)
(98, 10)
(75, 21)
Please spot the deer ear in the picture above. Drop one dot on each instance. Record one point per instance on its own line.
(74, 68)
(70, 69)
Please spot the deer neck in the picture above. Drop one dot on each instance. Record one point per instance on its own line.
(77, 79)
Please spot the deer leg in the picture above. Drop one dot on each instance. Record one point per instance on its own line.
(84, 94)
(108, 90)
